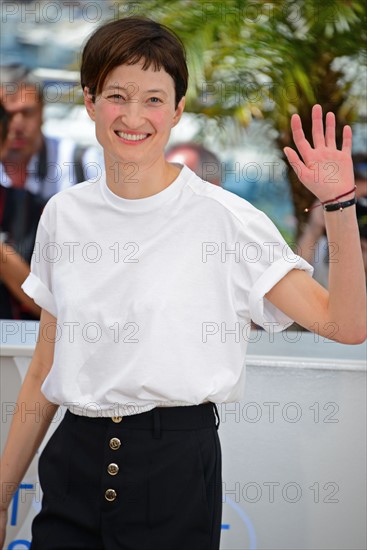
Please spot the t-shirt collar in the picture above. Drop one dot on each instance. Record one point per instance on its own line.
(148, 203)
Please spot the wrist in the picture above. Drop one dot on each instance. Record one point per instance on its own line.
(7, 489)
(346, 197)
(339, 205)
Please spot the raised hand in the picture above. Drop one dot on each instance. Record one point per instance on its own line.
(326, 171)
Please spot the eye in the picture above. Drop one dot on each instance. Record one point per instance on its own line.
(155, 100)
(116, 98)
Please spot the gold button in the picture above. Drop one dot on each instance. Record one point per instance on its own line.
(115, 443)
(110, 495)
(112, 469)
(116, 419)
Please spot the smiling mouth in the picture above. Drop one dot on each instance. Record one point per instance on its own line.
(17, 142)
(132, 137)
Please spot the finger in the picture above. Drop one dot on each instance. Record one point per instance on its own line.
(330, 131)
(295, 162)
(347, 140)
(317, 127)
(299, 139)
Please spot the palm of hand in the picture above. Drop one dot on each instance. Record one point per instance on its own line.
(326, 171)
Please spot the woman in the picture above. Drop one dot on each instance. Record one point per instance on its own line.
(141, 276)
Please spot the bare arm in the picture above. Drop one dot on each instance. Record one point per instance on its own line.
(304, 300)
(13, 272)
(27, 431)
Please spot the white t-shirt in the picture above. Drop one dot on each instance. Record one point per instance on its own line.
(154, 296)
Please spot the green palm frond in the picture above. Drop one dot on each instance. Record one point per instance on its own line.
(270, 59)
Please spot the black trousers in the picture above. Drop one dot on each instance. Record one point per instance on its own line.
(150, 481)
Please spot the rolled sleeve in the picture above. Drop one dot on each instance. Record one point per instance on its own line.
(262, 311)
(38, 284)
(36, 289)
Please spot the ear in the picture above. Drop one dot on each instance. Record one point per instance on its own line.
(179, 111)
(89, 104)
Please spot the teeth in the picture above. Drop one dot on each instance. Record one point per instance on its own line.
(132, 137)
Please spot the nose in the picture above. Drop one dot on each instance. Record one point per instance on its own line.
(131, 114)
(16, 121)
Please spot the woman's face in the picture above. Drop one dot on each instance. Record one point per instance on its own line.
(134, 115)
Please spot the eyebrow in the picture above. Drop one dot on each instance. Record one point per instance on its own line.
(117, 87)
(156, 91)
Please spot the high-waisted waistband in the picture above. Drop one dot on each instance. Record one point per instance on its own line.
(161, 418)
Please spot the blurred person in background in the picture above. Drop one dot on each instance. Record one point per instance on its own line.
(198, 158)
(33, 168)
(4, 129)
(313, 245)
(13, 269)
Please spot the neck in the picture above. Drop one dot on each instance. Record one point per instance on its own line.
(132, 181)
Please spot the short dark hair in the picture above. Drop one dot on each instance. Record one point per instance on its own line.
(128, 41)
(18, 76)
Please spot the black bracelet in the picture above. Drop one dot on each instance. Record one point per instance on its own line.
(339, 205)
